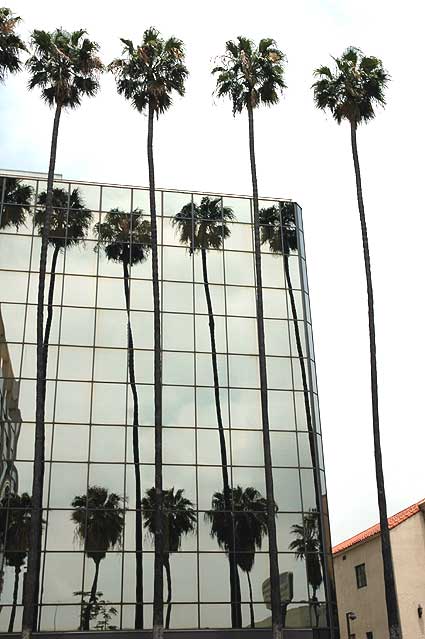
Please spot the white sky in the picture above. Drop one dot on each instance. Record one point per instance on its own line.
(301, 154)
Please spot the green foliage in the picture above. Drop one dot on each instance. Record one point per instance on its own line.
(97, 608)
(179, 516)
(203, 226)
(150, 72)
(70, 219)
(65, 66)
(125, 237)
(16, 203)
(248, 523)
(11, 45)
(99, 519)
(278, 228)
(15, 528)
(307, 546)
(353, 89)
(250, 75)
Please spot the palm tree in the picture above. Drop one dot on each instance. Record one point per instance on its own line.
(250, 526)
(307, 546)
(69, 223)
(147, 75)
(15, 538)
(99, 520)
(251, 76)
(278, 230)
(126, 238)
(351, 93)
(203, 227)
(65, 66)
(11, 44)
(179, 520)
(16, 203)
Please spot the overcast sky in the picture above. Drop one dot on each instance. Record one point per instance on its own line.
(301, 154)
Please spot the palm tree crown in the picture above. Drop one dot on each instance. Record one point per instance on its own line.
(355, 87)
(65, 66)
(11, 44)
(203, 226)
(306, 546)
(278, 228)
(125, 237)
(70, 219)
(99, 519)
(15, 529)
(179, 516)
(16, 203)
(250, 75)
(148, 73)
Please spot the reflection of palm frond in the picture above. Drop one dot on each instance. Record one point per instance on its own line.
(179, 516)
(204, 225)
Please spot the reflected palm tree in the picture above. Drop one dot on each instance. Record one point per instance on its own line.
(16, 203)
(179, 520)
(278, 230)
(99, 519)
(204, 227)
(69, 224)
(307, 546)
(15, 538)
(250, 527)
(126, 239)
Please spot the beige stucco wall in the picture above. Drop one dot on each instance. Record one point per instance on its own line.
(408, 546)
(368, 603)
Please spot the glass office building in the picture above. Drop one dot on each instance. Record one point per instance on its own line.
(97, 567)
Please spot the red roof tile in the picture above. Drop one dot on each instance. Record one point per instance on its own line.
(393, 521)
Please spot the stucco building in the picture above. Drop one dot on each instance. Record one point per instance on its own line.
(359, 577)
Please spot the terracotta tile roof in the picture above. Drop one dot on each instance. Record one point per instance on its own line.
(393, 521)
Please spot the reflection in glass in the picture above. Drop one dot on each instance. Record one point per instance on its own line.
(307, 546)
(15, 539)
(16, 201)
(99, 520)
(126, 239)
(240, 532)
(179, 519)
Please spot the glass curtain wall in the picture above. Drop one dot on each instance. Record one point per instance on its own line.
(99, 278)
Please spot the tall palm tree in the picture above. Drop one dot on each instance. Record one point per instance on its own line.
(307, 546)
(179, 520)
(203, 227)
(69, 223)
(126, 238)
(99, 520)
(251, 76)
(246, 536)
(15, 538)
(16, 203)
(65, 67)
(278, 230)
(351, 92)
(147, 75)
(11, 45)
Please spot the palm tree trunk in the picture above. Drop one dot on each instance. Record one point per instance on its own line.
(86, 619)
(139, 621)
(169, 590)
(29, 620)
(251, 602)
(235, 587)
(389, 578)
(15, 599)
(158, 613)
(271, 514)
(50, 303)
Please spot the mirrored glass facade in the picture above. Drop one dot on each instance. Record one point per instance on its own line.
(100, 417)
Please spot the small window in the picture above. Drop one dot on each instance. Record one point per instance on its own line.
(369, 635)
(361, 576)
